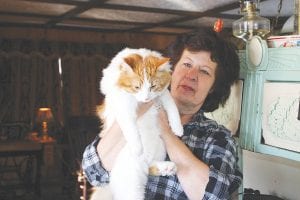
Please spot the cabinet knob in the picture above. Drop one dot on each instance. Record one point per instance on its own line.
(256, 52)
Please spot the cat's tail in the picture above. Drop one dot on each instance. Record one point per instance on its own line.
(101, 193)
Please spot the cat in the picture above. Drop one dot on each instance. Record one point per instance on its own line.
(135, 76)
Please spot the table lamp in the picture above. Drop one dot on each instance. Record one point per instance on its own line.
(44, 116)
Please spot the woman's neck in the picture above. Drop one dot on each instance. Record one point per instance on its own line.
(186, 111)
(185, 118)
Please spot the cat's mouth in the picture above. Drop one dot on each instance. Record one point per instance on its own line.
(146, 100)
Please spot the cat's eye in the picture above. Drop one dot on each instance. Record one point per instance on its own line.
(152, 87)
(137, 87)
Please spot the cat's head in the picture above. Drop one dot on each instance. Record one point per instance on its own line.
(145, 77)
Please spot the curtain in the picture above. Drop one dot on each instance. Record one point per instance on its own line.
(30, 78)
(28, 81)
(81, 77)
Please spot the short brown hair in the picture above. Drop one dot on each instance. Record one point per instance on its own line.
(222, 52)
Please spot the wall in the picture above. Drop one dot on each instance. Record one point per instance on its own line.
(145, 40)
(272, 175)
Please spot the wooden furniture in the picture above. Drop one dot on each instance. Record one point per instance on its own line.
(20, 165)
(20, 160)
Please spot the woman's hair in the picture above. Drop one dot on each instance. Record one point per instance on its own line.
(222, 52)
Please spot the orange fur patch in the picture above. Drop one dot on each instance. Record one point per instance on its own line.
(132, 80)
(100, 109)
(153, 171)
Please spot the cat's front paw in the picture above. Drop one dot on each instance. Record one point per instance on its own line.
(168, 168)
(176, 126)
(178, 130)
(163, 168)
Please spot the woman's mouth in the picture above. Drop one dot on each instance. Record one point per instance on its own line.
(187, 88)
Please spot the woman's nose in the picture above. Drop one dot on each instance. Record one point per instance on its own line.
(192, 74)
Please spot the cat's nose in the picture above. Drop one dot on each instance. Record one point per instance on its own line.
(147, 99)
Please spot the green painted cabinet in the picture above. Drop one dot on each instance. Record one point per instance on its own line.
(269, 121)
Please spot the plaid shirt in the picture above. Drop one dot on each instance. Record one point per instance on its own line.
(210, 142)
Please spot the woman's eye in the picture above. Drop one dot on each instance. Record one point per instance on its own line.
(202, 71)
(187, 65)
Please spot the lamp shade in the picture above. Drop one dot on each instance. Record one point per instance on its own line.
(44, 115)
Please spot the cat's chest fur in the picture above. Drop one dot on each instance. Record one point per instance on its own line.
(148, 125)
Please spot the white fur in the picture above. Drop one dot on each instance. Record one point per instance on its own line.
(144, 147)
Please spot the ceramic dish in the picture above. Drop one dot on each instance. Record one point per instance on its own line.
(284, 41)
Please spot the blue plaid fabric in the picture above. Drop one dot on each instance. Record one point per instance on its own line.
(210, 142)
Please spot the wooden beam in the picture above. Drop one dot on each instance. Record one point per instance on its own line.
(141, 40)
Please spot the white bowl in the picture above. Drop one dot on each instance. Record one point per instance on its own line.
(284, 41)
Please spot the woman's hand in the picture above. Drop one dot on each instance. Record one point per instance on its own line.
(113, 140)
(192, 173)
(143, 108)
(164, 122)
(110, 145)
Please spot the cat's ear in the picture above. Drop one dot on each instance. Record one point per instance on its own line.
(131, 62)
(163, 64)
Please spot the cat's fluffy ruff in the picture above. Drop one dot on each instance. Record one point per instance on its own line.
(144, 147)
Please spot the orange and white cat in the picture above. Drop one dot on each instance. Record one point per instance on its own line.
(135, 76)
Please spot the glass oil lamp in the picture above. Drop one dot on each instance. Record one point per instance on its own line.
(251, 23)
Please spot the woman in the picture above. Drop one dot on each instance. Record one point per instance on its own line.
(206, 157)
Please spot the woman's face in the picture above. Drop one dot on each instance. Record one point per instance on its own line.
(192, 80)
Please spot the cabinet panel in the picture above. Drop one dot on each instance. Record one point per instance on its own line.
(281, 127)
(271, 95)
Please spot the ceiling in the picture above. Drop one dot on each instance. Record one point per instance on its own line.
(154, 16)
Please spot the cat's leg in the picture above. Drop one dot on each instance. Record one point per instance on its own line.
(162, 168)
(124, 110)
(173, 115)
(101, 193)
(132, 136)
(128, 177)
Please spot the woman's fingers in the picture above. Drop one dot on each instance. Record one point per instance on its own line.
(110, 145)
(143, 108)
